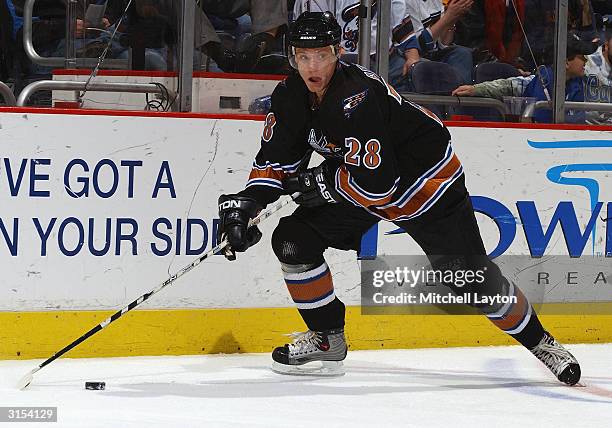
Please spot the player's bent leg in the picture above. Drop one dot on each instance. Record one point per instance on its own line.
(300, 251)
(450, 229)
(322, 348)
(518, 319)
(516, 316)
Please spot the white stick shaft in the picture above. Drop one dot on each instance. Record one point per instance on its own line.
(27, 379)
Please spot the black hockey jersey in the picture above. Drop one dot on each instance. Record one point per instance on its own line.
(388, 155)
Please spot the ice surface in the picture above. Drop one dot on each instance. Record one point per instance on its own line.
(492, 386)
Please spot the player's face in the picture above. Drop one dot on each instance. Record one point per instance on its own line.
(316, 66)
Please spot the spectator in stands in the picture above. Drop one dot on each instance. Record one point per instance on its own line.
(269, 20)
(207, 41)
(48, 26)
(540, 26)
(50, 17)
(347, 15)
(151, 33)
(581, 19)
(427, 33)
(150, 28)
(540, 85)
(91, 38)
(420, 30)
(493, 29)
(598, 86)
(470, 32)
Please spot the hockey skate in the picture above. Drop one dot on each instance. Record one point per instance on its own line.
(558, 359)
(312, 353)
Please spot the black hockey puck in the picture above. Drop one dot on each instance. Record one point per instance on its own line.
(95, 385)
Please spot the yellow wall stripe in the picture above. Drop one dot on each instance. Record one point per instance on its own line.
(25, 335)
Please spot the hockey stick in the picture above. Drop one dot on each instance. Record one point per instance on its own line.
(27, 379)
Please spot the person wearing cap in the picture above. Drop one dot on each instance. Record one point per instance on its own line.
(540, 84)
(386, 158)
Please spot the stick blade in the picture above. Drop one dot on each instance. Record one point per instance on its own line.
(25, 381)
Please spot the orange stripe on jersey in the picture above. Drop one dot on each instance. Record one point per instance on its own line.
(363, 200)
(515, 315)
(424, 194)
(311, 291)
(267, 173)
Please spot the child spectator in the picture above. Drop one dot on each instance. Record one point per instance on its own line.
(534, 85)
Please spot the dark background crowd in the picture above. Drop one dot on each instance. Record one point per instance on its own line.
(436, 47)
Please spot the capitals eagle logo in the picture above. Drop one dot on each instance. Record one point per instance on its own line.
(351, 103)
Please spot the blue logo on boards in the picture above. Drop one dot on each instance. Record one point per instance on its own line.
(538, 235)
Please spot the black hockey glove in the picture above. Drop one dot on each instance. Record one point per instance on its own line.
(315, 186)
(235, 212)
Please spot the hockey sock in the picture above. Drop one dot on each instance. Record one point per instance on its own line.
(312, 289)
(519, 320)
(300, 249)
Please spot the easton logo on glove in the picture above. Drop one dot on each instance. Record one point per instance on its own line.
(235, 212)
(229, 204)
(323, 188)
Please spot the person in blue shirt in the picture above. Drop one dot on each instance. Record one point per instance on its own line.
(540, 84)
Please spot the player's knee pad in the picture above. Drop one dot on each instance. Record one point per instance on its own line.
(296, 243)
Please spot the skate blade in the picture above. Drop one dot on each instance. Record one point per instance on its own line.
(314, 368)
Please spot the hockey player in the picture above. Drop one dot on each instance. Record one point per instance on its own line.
(385, 158)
